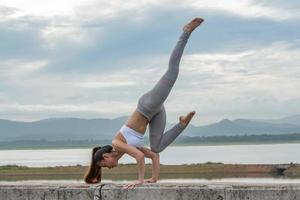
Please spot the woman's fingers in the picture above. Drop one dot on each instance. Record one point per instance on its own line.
(132, 185)
(126, 186)
(129, 186)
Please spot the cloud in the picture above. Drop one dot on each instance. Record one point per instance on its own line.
(49, 8)
(250, 8)
(99, 107)
(55, 35)
(85, 40)
(255, 83)
(285, 8)
(71, 59)
(252, 83)
(106, 10)
(32, 112)
(17, 68)
(104, 84)
(6, 11)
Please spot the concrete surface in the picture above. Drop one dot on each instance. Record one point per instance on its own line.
(44, 192)
(157, 191)
(212, 191)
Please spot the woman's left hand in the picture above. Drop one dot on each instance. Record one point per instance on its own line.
(132, 185)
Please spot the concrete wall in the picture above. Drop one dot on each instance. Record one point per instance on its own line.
(161, 191)
(35, 192)
(217, 191)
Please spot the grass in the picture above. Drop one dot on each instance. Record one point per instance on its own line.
(207, 170)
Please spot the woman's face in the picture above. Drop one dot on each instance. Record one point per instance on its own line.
(108, 161)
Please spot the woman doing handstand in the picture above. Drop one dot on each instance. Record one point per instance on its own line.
(149, 111)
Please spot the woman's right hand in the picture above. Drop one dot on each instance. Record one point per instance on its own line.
(132, 185)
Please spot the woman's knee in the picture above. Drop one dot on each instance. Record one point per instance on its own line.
(156, 149)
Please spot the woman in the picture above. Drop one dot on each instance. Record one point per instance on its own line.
(150, 110)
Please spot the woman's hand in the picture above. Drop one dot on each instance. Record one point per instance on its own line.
(132, 185)
(150, 180)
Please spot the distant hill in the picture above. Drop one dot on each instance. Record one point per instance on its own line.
(295, 119)
(243, 126)
(60, 129)
(104, 129)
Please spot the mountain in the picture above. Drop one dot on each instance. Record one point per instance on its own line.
(105, 129)
(60, 129)
(63, 129)
(244, 126)
(295, 119)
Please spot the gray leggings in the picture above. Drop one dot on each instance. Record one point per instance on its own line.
(151, 104)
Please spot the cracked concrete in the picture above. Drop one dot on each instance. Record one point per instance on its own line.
(156, 191)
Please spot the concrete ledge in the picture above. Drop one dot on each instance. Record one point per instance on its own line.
(158, 191)
(221, 191)
(45, 192)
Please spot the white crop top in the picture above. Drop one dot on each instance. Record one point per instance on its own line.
(132, 137)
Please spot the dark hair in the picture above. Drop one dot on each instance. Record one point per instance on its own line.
(93, 174)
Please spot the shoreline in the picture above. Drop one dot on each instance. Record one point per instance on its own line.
(129, 171)
(172, 145)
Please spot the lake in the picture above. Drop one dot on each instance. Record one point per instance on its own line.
(173, 155)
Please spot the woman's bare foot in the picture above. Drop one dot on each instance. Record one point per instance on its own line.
(193, 24)
(185, 120)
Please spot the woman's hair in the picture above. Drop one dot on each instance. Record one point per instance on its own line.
(93, 174)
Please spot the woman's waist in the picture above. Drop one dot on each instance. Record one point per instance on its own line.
(137, 122)
(125, 130)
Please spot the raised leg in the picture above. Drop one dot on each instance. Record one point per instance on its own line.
(159, 139)
(150, 103)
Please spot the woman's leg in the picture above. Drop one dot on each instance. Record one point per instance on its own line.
(150, 103)
(158, 139)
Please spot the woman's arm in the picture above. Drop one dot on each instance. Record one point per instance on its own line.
(137, 154)
(118, 154)
(155, 164)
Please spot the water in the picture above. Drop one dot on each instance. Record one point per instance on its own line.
(175, 155)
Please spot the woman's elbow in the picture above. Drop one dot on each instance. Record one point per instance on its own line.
(114, 143)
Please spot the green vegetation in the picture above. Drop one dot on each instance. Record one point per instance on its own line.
(242, 139)
(55, 144)
(207, 170)
(184, 140)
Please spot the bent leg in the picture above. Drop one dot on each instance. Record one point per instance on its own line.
(149, 103)
(158, 139)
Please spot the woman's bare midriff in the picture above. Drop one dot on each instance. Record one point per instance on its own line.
(137, 122)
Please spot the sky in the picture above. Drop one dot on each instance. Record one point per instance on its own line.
(94, 59)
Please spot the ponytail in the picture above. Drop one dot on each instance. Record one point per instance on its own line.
(93, 174)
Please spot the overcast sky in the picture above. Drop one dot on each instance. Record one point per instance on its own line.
(94, 59)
